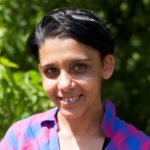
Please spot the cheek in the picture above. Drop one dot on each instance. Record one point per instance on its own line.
(49, 86)
(90, 83)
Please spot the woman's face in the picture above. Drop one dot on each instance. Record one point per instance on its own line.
(72, 74)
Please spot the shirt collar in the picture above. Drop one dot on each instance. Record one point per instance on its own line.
(49, 115)
(113, 127)
(108, 119)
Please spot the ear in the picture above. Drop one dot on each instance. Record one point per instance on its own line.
(108, 66)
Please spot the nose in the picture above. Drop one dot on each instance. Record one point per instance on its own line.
(64, 82)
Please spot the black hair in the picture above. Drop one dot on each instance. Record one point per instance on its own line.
(78, 24)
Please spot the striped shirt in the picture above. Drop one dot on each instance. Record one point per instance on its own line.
(39, 132)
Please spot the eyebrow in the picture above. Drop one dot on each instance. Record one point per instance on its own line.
(46, 66)
(80, 60)
(73, 61)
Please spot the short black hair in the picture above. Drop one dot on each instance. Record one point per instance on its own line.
(79, 24)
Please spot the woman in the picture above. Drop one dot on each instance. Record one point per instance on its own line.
(74, 50)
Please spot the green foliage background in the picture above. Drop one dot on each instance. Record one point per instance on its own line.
(21, 92)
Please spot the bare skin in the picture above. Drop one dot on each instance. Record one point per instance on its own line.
(80, 134)
(72, 74)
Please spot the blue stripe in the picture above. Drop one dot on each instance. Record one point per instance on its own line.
(12, 141)
(32, 131)
(133, 143)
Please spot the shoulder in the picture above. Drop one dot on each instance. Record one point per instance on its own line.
(33, 121)
(26, 129)
(129, 136)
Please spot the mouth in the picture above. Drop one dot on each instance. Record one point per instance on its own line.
(70, 100)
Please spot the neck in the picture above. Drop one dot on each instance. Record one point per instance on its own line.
(79, 126)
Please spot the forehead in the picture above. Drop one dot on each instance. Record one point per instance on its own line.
(53, 50)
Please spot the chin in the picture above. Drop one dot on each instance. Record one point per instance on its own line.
(70, 114)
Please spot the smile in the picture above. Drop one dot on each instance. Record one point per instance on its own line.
(71, 100)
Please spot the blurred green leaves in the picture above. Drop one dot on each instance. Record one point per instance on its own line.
(21, 93)
(6, 62)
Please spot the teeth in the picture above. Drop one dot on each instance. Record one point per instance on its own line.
(71, 99)
(74, 98)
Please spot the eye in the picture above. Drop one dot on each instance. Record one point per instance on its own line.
(51, 72)
(79, 68)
